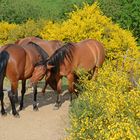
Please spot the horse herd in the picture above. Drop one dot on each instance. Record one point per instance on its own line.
(35, 58)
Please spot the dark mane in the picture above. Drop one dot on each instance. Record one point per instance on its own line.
(66, 51)
(44, 55)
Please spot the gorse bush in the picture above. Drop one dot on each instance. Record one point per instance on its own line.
(9, 33)
(90, 22)
(108, 108)
(5, 29)
(29, 28)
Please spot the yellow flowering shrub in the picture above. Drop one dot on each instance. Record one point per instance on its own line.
(29, 28)
(12, 32)
(5, 29)
(109, 107)
(90, 22)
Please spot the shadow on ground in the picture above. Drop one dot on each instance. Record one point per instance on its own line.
(48, 98)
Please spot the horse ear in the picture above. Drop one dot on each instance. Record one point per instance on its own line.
(49, 67)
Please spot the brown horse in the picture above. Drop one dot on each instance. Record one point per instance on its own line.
(17, 63)
(88, 54)
(49, 46)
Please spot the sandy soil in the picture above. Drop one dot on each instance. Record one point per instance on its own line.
(45, 124)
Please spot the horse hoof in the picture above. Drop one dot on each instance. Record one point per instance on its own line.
(21, 108)
(16, 115)
(4, 114)
(55, 108)
(35, 108)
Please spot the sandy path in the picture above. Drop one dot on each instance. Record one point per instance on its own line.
(45, 124)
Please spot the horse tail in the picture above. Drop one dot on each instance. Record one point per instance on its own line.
(4, 57)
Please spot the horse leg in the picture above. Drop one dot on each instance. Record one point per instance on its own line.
(3, 112)
(44, 88)
(12, 97)
(70, 78)
(23, 90)
(16, 96)
(35, 107)
(95, 73)
(75, 82)
(59, 90)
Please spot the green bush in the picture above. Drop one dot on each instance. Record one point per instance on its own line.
(19, 11)
(124, 12)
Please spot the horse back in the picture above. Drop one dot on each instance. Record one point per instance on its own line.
(91, 51)
(48, 46)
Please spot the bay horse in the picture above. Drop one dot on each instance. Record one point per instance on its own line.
(17, 63)
(48, 46)
(8, 57)
(88, 54)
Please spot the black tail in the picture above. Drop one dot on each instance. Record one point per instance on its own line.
(4, 56)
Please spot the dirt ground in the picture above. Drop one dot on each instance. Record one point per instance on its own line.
(45, 124)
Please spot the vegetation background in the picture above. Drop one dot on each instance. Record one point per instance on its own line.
(124, 12)
(109, 107)
(19, 11)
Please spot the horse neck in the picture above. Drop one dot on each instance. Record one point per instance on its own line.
(44, 55)
(49, 46)
(54, 47)
(44, 46)
(62, 64)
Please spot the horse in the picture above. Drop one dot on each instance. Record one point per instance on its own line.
(17, 63)
(49, 46)
(88, 54)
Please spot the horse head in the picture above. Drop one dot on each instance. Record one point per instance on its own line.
(41, 69)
